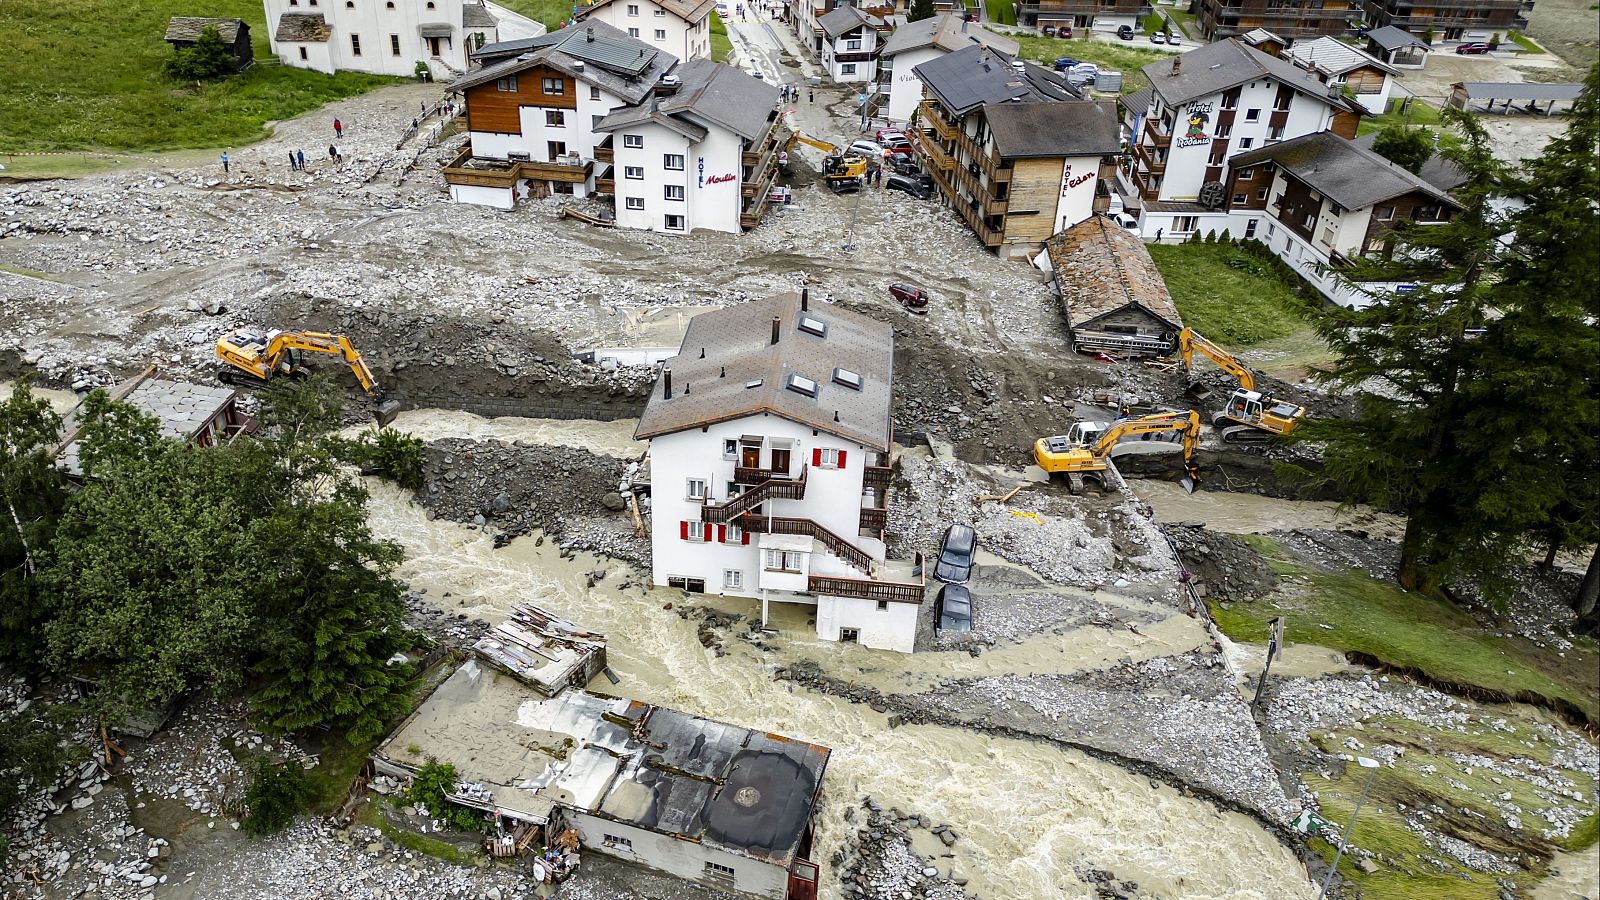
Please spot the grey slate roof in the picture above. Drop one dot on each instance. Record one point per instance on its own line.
(615, 62)
(1217, 67)
(945, 32)
(1137, 101)
(723, 96)
(499, 51)
(844, 19)
(967, 79)
(1437, 171)
(1101, 267)
(1343, 171)
(1518, 90)
(188, 28)
(1071, 128)
(1333, 57)
(181, 408)
(738, 351)
(303, 27)
(476, 15)
(1391, 37)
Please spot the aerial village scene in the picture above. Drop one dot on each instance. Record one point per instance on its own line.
(796, 449)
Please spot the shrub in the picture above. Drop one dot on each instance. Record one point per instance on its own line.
(428, 789)
(277, 794)
(390, 454)
(208, 58)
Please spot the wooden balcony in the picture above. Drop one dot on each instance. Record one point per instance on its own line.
(932, 118)
(1157, 134)
(466, 169)
(575, 172)
(836, 544)
(605, 185)
(752, 475)
(1150, 164)
(933, 153)
(604, 154)
(911, 591)
(874, 518)
(876, 477)
(772, 489)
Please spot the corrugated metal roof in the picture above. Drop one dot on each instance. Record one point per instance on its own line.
(1518, 90)
(1333, 57)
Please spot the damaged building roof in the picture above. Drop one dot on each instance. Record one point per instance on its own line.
(594, 53)
(299, 27)
(1343, 171)
(728, 367)
(725, 786)
(181, 408)
(1101, 267)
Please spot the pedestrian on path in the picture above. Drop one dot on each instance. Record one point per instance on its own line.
(333, 153)
(224, 162)
(300, 157)
(338, 129)
(811, 95)
(424, 105)
(292, 166)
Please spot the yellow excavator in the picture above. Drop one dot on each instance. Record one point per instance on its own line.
(256, 357)
(842, 172)
(1082, 452)
(1250, 415)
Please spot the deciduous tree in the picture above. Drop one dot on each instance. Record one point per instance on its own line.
(209, 58)
(32, 494)
(1408, 148)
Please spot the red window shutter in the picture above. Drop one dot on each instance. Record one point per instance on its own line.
(816, 456)
(722, 534)
(683, 529)
(744, 537)
(841, 459)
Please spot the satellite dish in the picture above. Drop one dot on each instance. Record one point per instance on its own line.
(1212, 195)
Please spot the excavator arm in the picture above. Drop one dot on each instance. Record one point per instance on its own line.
(801, 137)
(318, 342)
(1185, 423)
(1190, 342)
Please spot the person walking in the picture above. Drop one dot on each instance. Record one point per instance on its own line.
(333, 153)
(224, 162)
(424, 105)
(300, 157)
(292, 166)
(338, 129)
(811, 95)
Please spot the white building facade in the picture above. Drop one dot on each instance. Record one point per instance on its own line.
(1370, 81)
(849, 45)
(388, 37)
(914, 43)
(757, 491)
(680, 28)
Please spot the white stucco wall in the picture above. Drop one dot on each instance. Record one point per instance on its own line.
(864, 69)
(684, 859)
(1186, 165)
(374, 23)
(643, 19)
(658, 141)
(893, 628)
(1079, 177)
(714, 179)
(318, 58)
(499, 198)
(905, 88)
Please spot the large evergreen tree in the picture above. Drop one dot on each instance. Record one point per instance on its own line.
(1408, 353)
(920, 9)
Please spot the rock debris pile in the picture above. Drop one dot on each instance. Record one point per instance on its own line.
(879, 863)
(1223, 566)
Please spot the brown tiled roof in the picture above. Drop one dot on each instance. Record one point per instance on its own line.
(1100, 266)
(303, 27)
(728, 368)
(188, 28)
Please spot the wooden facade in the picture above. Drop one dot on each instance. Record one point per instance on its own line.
(1035, 190)
(496, 106)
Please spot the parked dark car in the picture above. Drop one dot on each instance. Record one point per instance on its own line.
(911, 186)
(913, 298)
(953, 609)
(1473, 48)
(1064, 63)
(1125, 33)
(907, 165)
(1048, 31)
(955, 559)
(972, 17)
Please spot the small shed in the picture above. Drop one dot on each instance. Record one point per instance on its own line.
(1513, 96)
(1398, 47)
(183, 31)
(1110, 291)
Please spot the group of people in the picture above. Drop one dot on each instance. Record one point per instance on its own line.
(790, 93)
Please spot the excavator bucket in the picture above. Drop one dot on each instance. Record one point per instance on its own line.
(386, 411)
(1189, 481)
(1197, 390)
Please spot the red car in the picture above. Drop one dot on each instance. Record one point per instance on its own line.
(894, 142)
(1474, 48)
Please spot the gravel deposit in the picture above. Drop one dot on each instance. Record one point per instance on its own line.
(1223, 566)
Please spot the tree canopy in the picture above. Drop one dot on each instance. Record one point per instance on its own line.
(920, 9)
(209, 58)
(1408, 148)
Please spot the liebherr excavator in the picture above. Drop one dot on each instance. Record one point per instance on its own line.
(256, 357)
(1250, 416)
(842, 172)
(1082, 452)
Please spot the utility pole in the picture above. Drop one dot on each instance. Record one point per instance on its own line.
(1274, 645)
(1371, 765)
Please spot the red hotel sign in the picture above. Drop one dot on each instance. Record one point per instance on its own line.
(719, 179)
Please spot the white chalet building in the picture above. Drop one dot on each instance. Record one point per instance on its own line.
(589, 110)
(387, 37)
(1206, 106)
(914, 43)
(769, 467)
(680, 27)
(848, 44)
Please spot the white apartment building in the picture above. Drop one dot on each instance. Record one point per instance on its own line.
(680, 27)
(388, 37)
(849, 45)
(1320, 201)
(1334, 62)
(769, 467)
(914, 43)
(590, 110)
(1206, 106)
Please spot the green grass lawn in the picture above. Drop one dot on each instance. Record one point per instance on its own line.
(1125, 58)
(1227, 294)
(1003, 12)
(1419, 114)
(549, 12)
(1523, 41)
(86, 75)
(1352, 611)
(721, 46)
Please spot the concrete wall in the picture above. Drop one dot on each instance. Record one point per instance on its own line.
(684, 859)
(894, 628)
(833, 496)
(905, 88)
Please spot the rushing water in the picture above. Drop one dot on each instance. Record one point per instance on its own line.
(605, 438)
(1027, 813)
(1238, 513)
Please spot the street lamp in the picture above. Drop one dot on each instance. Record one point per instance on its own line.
(1372, 766)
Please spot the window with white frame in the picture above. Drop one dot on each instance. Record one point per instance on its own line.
(507, 84)
(853, 44)
(883, 606)
(673, 191)
(783, 560)
(633, 141)
(1185, 223)
(1252, 115)
(695, 489)
(694, 531)
(661, 34)
(355, 45)
(1246, 143)
(733, 578)
(847, 69)
(633, 33)
(673, 223)
(1250, 229)
(660, 12)
(730, 448)
(734, 534)
(672, 161)
(633, 202)
(633, 9)
(634, 172)
(555, 118)
(829, 457)
(594, 92)
(554, 85)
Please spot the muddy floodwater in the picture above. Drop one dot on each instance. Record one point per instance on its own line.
(1027, 813)
(603, 438)
(1237, 513)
